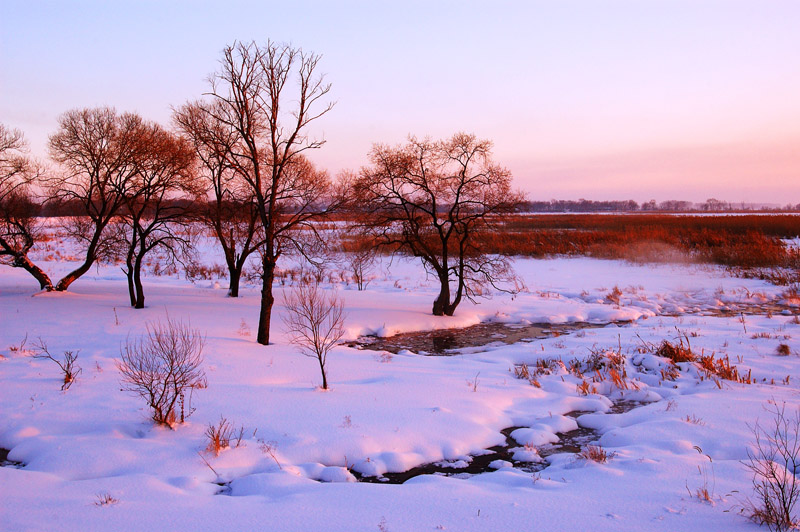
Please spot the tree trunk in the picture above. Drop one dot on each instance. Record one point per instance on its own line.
(91, 251)
(131, 289)
(22, 261)
(137, 282)
(129, 275)
(324, 376)
(451, 307)
(72, 276)
(266, 301)
(442, 303)
(234, 274)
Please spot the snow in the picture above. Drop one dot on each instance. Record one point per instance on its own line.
(301, 445)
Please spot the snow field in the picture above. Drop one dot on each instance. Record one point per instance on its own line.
(390, 413)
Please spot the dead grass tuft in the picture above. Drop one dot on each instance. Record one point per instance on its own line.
(595, 453)
(721, 367)
(221, 435)
(105, 499)
(676, 353)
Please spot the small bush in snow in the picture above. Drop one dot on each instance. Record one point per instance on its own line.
(595, 453)
(774, 462)
(161, 365)
(221, 435)
(105, 499)
(66, 363)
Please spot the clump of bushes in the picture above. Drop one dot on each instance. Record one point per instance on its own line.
(161, 366)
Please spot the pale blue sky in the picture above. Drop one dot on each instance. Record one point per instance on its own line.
(597, 99)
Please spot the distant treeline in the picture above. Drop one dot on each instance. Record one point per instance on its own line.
(75, 208)
(53, 208)
(584, 205)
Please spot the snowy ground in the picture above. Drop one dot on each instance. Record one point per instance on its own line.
(391, 413)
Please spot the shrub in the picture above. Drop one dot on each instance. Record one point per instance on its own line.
(67, 364)
(220, 436)
(774, 462)
(595, 453)
(161, 365)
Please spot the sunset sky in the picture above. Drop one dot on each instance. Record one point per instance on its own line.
(641, 99)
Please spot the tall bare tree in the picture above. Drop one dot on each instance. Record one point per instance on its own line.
(97, 150)
(268, 96)
(19, 227)
(226, 206)
(434, 199)
(155, 203)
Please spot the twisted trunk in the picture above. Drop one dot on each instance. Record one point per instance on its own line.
(22, 261)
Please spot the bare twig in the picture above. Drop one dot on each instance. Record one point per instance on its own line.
(67, 362)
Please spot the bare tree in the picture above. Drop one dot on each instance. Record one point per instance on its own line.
(230, 210)
(361, 262)
(315, 322)
(436, 200)
(19, 226)
(161, 366)
(268, 96)
(97, 152)
(153, 217)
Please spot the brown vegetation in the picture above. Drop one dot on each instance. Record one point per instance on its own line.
(595, 453)
(750, 242)
(745, 241)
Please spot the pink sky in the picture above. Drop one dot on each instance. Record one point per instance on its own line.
(628, 99)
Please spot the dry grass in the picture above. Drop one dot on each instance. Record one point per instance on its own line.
(670, 373)
(694, 420)
(706, 491)
(595, 453)
(586, 388)
(721, 367)
(522, 371)
(105, 499)
(675, 352)
(750, 244)
(743, 241)
(221, 435)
